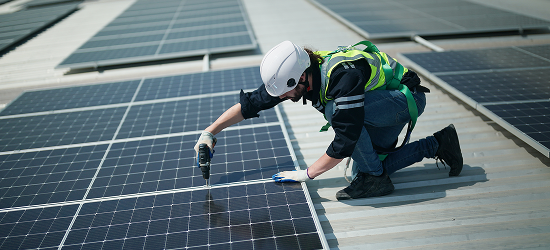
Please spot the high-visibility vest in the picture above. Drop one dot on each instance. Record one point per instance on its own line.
(377, 79)
(386, 73)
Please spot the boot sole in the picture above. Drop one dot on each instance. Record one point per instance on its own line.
(385, 192)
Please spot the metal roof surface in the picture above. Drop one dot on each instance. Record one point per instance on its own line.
(501, 200)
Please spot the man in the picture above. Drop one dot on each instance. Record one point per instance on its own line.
(366, 96)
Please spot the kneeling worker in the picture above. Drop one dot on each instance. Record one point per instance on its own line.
(367, 97)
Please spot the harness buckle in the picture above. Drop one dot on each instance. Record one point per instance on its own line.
(343, 48)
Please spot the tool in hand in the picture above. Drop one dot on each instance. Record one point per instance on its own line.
(203, 160)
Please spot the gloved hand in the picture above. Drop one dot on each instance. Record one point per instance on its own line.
(291, 176)
(208, 138)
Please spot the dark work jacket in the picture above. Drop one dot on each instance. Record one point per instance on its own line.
(344, 82)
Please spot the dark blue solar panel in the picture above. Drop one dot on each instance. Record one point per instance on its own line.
(59, 129)
(480, 59)
(200, 83)
(47, 176)
(17, 26)
(531, 118)
(510, 82)
(74, 97)
(403, 18)
(182, 116)
(168, 163)
(157, 30)
(539, 50)
(35, 228)
(259, 216)
(507, 86)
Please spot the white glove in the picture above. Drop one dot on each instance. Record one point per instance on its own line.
(207, 138)
(291, 176)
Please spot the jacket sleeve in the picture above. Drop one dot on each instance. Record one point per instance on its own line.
(347, 89)
(256, 101)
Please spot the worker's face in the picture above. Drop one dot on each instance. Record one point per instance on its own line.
(296, 94)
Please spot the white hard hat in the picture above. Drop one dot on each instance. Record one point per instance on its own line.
(282, 67)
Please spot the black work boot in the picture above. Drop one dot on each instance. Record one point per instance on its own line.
(449, 149)
(365, 185)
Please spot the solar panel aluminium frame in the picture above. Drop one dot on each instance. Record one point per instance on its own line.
(475, 105)
(366, 34)
(201, 52)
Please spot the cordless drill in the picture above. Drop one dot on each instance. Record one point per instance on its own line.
(203, 160)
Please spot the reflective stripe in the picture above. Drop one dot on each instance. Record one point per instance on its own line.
(376, 63)
(318, 105)
(350, 106)
(350, 98)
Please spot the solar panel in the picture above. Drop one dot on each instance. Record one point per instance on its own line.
(17, 26)
(179, 116)
(59, 129)
(199, 83)
(120, 167)
(403, 18)
(506, 86)
(531, 118)
(260, 216)
(168, 163)
(73, 97)
(187, 85)
(157, 30)
(477, 60)
(40, 228)
(48, 176)
(509, 85)
(538, 50)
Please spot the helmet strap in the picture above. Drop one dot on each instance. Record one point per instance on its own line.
(306, 84)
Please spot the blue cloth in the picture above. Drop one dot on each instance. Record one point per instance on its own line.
(386, 114)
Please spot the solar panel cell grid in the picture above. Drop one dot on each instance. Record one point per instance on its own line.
(402, 18)
(59, 129)
(509, 82)
(496, 58)
(220, 217)
(18, 25)
(533, 119)
(35, 228)
(539, 50)
(208, 31)
(75, 97)
(47, 176)
(520, 85)
(153, 31)
(213, 20)
(130, 29)
(230, 39)
(199, 83)
(146, 39)
(168, 163)
(181, 116)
